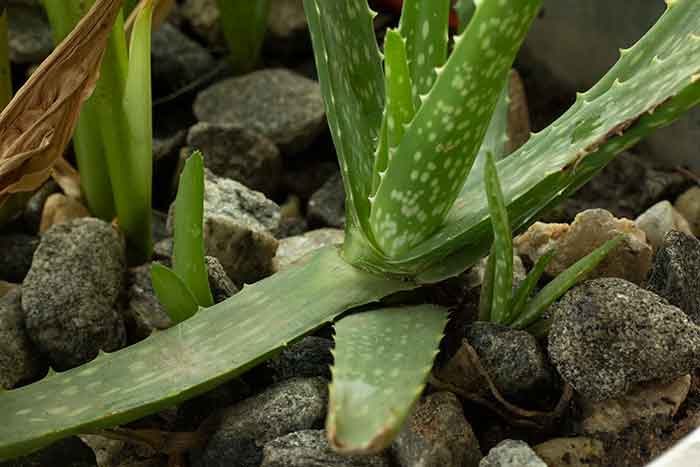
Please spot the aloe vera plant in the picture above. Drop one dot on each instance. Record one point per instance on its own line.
(244, 24)
(415, 215)
(113, 139)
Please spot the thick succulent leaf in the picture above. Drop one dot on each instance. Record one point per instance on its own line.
(442, 142)
(382, 359)
(563, 282)
(653, 83)
(173, 293)
(486, 291)
(528, 286)
(244, 23)
(503, 244)
(424, 25)
(188, 244)
(399, 104)
(173, 365)
(350, 73)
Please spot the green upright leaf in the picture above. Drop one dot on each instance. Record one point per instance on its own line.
(188, 359)
(382, 359)
(503, 244)
(563, 282)
(136, 165)
(526, 288)
(172, 292)
(350, 72)
(188, 244)
(446, 133)
(486, 291)
(244, 23)
(424, 25)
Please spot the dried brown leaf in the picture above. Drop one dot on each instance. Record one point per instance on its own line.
(39, 121)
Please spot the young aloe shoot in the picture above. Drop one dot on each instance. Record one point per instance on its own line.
(244, 23)
(497, 301)
(185, 288)
(415, 215)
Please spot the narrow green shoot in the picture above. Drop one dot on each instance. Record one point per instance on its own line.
(486, 293)
(503, 244)
(188, 245)
(244, 23)
(559, 285)
(5, 72)
(172, 292)
(522, 295)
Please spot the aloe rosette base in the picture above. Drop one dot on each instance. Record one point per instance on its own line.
(653, 83)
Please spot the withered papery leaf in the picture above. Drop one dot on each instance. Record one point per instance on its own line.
(39, 121)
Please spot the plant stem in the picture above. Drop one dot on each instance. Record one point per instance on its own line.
(244, 23)
(5, 74)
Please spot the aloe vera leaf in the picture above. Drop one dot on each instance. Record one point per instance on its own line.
(244, 23)
(5, 74)
(137, 163)
(186, 360)
(638, 95)
(87, 139)
(465, 11)
(503, 244)
(382, 359)
(525, 290)
(446, 133)
(352, 82)
(563, 282)
(173, 293)
(424, 25)
(486, 292)
(399, 104)
(188, 244)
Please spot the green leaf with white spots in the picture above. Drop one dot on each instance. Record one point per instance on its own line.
(382, 360)
(528, 286)
(350, 73)
(188, 243)
(502, 249)
(399, 104)
(563, 282)
(424, 25)
(439, 147)
(639, 94)
(173, 293)
(171, 366)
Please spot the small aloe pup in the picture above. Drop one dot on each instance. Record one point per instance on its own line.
(408, 127)
(185, 288)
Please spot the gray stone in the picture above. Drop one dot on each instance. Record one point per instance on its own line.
(287, 30)
(285, 107)
(675, 273)
(437, 435)
(626, 187)
(144, 313)
(293, 250)
(578, 451)
(307, 176)
(309, 448)
(16, 258)
(169, 145)
(292, 405)
(608, 335)
(513, 359)
(240, 154)
(29, 33)
(177, 60)
(163, 249)
(70, 295)
(68, 452)
(511, 453)
(309, 357)
(238, 226)
(20, 362)
(203, 18)
(660, 219)
(327, 204)
(222, 287)
(688, 204)
(588, 37)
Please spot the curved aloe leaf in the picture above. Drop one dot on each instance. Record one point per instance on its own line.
(424, 25)
(444, 137)
(244, 23)
(172, 292)
(173, 365)
(188, 244)
(528, 286)
(382, 359)
(350, 73)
